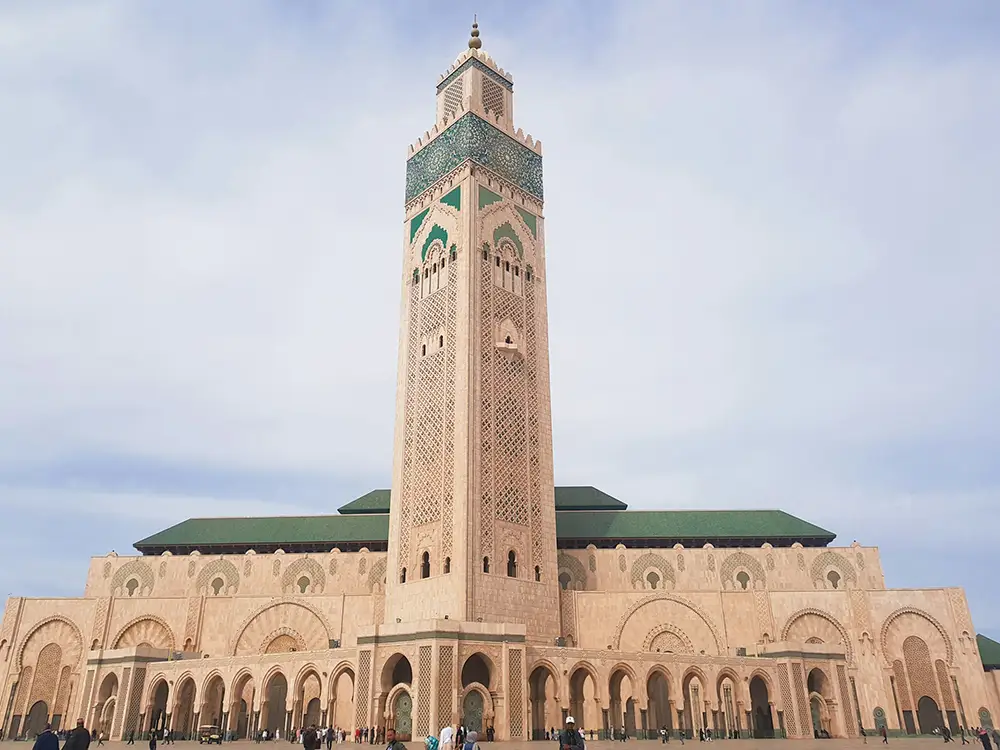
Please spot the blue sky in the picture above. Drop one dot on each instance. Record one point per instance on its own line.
(771, 230)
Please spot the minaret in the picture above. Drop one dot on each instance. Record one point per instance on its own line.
(472, 523)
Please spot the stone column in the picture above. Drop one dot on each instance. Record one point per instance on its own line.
(774, 717)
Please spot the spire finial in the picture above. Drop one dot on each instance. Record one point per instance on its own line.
(475, 42)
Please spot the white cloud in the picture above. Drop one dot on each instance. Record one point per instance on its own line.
(771, 249)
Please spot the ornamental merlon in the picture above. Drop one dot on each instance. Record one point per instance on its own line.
(470, 137)
(481, 60)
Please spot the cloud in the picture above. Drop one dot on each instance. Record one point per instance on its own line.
(771, 259)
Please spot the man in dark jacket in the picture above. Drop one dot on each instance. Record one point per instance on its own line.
(79, 738)
(47, 740)
(310, 739)
(570, 737)
(391, 742)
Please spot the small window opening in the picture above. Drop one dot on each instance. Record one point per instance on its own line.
(506, 265)
(486, 565)
(217, 585)
(512, 564)
(423, 349)
(564, 581)
(498, 261)
(434, 268)
(426, 273)
(442, 261)
(834, 578)
(527, 275)
(743, 579)
(425, 565)
(402, 576)
(440, 341)
(303, 584)
(517, 270)
(454, 254)
(508, 340)
(447, 565)
(538, 573)
(486, 254)
(653, 580)
(131, 586)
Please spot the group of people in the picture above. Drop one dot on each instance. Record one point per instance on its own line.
(457, 738)
(78, 738)
(985, 736)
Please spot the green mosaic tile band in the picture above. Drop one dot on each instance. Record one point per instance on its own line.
(470, 138)
(474, 63)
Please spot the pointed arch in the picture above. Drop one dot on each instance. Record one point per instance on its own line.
(146, 628)
(813, 612)
(704, 616)
(75, 636)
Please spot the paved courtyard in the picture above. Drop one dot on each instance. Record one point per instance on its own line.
(911, 743)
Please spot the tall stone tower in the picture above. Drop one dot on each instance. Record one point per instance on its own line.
(472, 522)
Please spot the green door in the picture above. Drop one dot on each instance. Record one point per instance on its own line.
(472, 712)
(404, 715)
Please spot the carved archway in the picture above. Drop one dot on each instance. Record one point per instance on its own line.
(703, 616)
(148, 629)
(271, 617)
(919, 613)
(826, 616)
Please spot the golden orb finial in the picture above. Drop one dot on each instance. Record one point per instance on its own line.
(475, 42)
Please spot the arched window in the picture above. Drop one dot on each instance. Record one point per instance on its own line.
(564, 580)
(217, 585)
(440, 341)
(303, 584)
(538, 573)
(131, 586)
(447, 565)
(486, 565)
(834, 578)
(743, 579)
(423, 349)
(512, 564)
(402, 576)
(425, 565)
(653, 580)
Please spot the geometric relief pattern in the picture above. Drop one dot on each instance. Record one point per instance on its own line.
(448, 489)
(140, 571)
(62, 693)
(917, 659)
(902, 688)
(446, 659)
(267, 630)
(800, 695)
(786, 699)
(49, 632)
(145, 631)
(762, 604)
(667, 639)
(43, 688)
(120, 702)
(23, 686)
(377, 575)
(470, 138)
(812, 626)
(942, 674)
(484, 69)
(654, 561)
(534, 351)
(223, 569)
(486, 431)
(828, 560)
(516, 694)
(100, 621)
(845, 702)
(741, 561)
(578, 574)
(567, 607)
(510, 480)
(193, 617)
(134, 700)
(310, 569)
(364, 688)
(424, 688)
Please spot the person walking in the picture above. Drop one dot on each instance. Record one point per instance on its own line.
(152, 740)
(46, 739)
(79, 738)
(885, 735)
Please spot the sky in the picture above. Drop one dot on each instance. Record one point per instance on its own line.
(772, 245)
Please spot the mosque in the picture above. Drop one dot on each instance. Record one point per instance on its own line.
(474, 590)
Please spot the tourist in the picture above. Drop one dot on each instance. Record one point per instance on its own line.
(470, 742)
(664, 735)
(47, 740)
(965, 738)
(885, 735)
(864, 734)
(78, 739)
(984, 737)
(152, 740)
(446, 740)
(391, 742)
(569, 737)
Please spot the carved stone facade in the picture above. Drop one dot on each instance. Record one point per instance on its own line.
(474, 614)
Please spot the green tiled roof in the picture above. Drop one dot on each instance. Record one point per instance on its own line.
(266, 534)
(694, 525)
(567, 498)
(989, 652)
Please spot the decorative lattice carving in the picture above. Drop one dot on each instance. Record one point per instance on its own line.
(162, 573)
(883, 642)
(762, 605)
(192, 567)
(276, 567)
(333, 566)
(578, 574)
(88, 684)
(846, 702)
(424, 689)
(811, 622)
(859, 559)
(860, 611)
(592, 562)
(798, 677)
(917, 660)
(43, 688)
(902, 687)
(107, 570)
(667, 598)
(220, 568)
(649, 561)
(446, 666)
(191, 622)
(666, 638)
(145, 630)
(741, 561)
(23, 686)
(303, 567)
(270, 617)
(448, 482)
(486, 430)
(711, 563)
(801, 561)
(785, 689)
(364, 689)
(622, 564)
(829, 560)
(535, 351)
(53, 629)
(770, 562)
(100, 621)
(960, 609)
(453, 98)
(134, 569)
(247, 566)
(492, 97)
(680, 562)
(567, 610)
(516, 670)
(510, 483)
(134, 701)
(377, 575)
(945, 685)
(116, 726)
(362, 566)
(61, 705)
